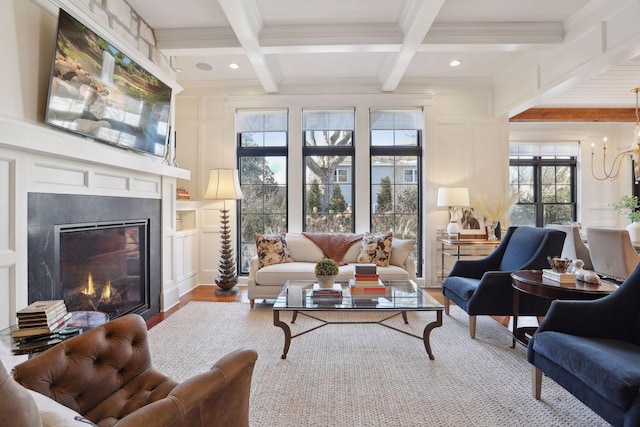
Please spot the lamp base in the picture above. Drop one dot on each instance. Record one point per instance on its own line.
(453, 229)
(227, 292)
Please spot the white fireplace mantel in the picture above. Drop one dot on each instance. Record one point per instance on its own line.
(41, 139)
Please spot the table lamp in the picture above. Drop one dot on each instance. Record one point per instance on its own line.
(453, 198)
(224, 185)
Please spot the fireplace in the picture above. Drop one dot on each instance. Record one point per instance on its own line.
(103, 266)
(96, 252)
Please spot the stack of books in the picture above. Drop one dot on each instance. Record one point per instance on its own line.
(182, 194)
(41, 318)
(326, 296)
(366, 279)
(558, 277)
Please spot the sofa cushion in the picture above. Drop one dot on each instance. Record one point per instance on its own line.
(393, 272)
(302, 249)
(272, 249)
(610, 367)
(334, 245)
(464, 287)
(400, 250)
(376, 250)
(278, 274)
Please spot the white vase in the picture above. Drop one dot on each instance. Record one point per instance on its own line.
(634, 231)
(325, 281)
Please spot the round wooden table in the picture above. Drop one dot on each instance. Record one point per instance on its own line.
(531, 282)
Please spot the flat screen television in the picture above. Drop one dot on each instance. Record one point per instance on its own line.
(97, 91)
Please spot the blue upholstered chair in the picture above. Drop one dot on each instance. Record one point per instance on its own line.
(592, 349)
(483, 286)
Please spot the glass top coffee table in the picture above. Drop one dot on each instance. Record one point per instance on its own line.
(398, 298)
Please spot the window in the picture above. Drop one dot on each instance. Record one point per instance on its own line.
(543, 176)
(262, 162)
(396, 156)
(328, 153)
(410, 176)
(341, 176)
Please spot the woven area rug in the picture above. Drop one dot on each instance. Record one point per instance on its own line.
(368, 375)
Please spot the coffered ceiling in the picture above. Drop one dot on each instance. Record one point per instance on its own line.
(379, 43)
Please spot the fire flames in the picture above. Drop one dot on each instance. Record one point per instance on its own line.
(89, 290)
(106, 293)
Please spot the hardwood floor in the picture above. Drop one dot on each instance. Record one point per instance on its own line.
(208, 293)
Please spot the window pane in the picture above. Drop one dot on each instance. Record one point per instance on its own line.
(381, 137)
(554, 214)
(275, 139)
(328, 138)
(394, 202)
(328, 204)
(406, 137)
(523, 215)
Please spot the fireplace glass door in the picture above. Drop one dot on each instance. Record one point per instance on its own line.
(103, 267)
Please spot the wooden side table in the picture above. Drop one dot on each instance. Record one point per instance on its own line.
(531, 282)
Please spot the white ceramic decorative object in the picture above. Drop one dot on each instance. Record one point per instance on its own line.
(326, 282)
(576, 266)
(591, 277)
(634, 231)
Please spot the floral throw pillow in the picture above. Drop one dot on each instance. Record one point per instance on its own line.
(272, 249)
(376, 250)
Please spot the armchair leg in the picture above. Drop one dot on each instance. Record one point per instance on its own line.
(251, 302)
(536, 381)
(446, 305)
(472, 326)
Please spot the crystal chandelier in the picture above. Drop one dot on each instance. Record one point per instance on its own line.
(633, 153)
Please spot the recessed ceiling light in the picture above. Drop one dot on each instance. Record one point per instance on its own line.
(455, 63)
(204, 67)
(234, 66)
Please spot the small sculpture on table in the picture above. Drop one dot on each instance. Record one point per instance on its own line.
(582, 274)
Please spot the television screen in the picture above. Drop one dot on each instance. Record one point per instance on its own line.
(97, 91)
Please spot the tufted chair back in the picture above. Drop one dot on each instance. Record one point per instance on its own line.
(105, 374)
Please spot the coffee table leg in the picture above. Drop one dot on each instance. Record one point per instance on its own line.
(285, 329)
(427, 332)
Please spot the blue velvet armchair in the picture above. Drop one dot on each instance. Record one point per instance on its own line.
(592, 349)
(483, 286)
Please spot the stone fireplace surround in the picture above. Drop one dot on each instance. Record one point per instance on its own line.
(45, 211)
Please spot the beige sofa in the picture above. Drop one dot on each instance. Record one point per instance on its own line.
(266, 282)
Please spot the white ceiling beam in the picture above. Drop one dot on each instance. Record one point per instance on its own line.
(244, 18)
(296, 39)
(417, 18)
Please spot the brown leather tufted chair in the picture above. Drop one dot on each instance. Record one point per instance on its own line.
(105, 374)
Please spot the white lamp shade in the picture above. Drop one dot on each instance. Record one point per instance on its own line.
(223, 185)
(453, 197)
